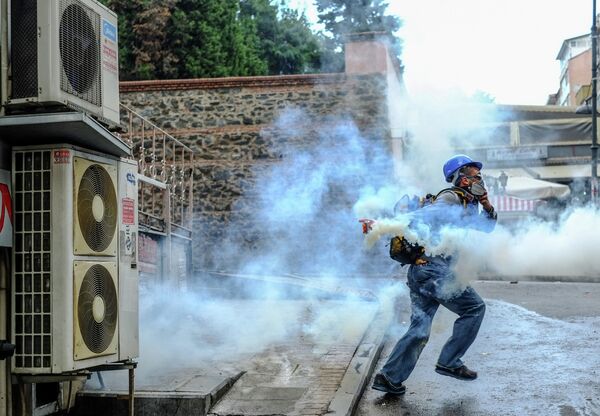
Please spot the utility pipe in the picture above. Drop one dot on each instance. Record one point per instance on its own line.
(594, 146)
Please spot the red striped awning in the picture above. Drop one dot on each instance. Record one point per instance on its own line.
(509, 203)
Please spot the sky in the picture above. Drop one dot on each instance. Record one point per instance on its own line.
(505, 48)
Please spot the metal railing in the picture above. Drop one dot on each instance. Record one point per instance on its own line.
(166, 168)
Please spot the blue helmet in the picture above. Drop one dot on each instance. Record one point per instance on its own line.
(456, 162)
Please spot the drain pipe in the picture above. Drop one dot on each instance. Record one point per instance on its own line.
(594, 146)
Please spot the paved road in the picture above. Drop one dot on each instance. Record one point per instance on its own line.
(538, 353)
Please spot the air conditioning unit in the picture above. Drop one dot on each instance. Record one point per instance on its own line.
(75, 295)
(64, 52)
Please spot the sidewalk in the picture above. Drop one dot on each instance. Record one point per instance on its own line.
(320, 366)
(322, 362)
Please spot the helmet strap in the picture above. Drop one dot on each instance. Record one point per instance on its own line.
(458, 175)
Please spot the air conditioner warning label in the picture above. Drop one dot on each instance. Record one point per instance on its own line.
(128, 205)
(109, 58)
(62, 156)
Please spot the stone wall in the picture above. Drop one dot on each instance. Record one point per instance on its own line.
(234, 127)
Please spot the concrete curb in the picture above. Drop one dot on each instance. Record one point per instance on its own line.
(361, 366)
(536, 278)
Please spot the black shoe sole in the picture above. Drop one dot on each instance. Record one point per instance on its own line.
(451, 374)
(386, 390)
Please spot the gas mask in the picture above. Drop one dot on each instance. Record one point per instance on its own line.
(477, 189)
(477, 186)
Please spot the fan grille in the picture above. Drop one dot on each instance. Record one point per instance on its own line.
(97, 332)
(24, 49)
(80, 51)
(97, 208)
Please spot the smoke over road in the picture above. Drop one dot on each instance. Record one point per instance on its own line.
(307, 207)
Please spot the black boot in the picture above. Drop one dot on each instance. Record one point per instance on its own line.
(382, 384)
(461, 373)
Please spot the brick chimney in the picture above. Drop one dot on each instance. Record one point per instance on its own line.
(369, 52)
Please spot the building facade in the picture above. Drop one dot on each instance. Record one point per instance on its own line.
(575, 57)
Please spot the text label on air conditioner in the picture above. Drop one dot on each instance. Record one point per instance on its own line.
(109, 30)
(109, 47)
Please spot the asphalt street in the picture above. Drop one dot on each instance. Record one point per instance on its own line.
(537, 353)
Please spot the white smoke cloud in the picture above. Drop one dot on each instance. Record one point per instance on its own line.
(534, 247)
(307, 207)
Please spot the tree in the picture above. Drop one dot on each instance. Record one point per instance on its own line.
(208, 40)
(284, 39)
(143, 31)
(298, 49)
(160, 39)
(342, 17)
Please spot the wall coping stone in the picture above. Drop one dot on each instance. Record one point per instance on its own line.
(231, 82)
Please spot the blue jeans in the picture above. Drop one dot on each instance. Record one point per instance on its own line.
(430, 285)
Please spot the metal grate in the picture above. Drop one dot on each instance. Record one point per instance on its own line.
(97, 329)
(24, 49)
(96, 189)
(32, 277)
(79, 39)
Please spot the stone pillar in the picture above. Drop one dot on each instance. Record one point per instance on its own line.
(369, 53)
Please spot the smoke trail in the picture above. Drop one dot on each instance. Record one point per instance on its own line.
(303, 209)
(304, 221)
(531, 247)
(566, 248)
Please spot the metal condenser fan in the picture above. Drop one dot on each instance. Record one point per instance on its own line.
(79, 47)
(97, 309)
(97, 207)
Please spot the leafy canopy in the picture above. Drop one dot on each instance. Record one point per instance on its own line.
(161, 39)
(343, 17)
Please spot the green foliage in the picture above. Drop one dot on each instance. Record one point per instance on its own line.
(161, 39)
(343, 17)
(143, 30)
(284, 39)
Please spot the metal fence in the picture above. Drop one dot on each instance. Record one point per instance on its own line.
(166, 168)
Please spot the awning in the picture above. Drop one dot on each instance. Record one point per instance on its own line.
(544, 172)
(504, 203)
(563, 171)
(528, 188)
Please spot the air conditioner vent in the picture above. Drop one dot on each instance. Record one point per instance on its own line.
(79, 39)
(24, 51)
(32, 260)
(97, 309)
(97, 208)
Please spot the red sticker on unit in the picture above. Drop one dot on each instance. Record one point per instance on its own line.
(62, 156)
(128, 211)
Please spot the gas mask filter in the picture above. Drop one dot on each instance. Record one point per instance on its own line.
(477, 189)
